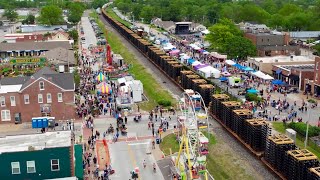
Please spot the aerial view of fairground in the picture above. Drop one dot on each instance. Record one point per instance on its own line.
(159, 90)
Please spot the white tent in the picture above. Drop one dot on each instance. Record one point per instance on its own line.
(196, 63)
(268, 77)
(205, 31)
(209, 71)
(259, 74)
(121, 81)
(230, 62)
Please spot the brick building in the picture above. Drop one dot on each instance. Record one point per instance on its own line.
(316, 80)
(45, 93)
(295, 75)
(272, 43)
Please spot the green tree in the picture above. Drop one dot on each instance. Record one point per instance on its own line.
(74, 35)
(147, 13)
(220, 33)
(288, 9)
(98, 3)
(50, 15)
(10, 14)
(239, 47)
(29, 20)
(75, 12)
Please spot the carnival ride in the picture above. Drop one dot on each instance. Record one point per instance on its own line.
(191, 158)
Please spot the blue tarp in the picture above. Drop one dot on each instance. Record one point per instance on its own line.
(223, 79)
(238, 66)
(253, 91)
(278, 71)
(190, 61)
(247, 68)
(277, 82)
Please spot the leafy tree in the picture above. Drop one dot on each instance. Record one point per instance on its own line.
(50, 15)
(74, 35)
(147, 13)
(221, 32)
(98, 3)
(75, 12)
(29, 20)
(10, 14)
(288, 9)
(239, 47)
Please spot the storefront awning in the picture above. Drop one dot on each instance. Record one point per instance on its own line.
(278, 71)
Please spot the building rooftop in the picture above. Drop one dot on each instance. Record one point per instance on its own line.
(14, 84)
(21, 46)
(21, 143)
(282, 59)
(300, 67)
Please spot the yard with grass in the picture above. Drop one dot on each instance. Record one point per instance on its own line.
(280, 127)
(221, 163)
(152, 89)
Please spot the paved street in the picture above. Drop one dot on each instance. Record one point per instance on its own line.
(125, 156)
(88, 32)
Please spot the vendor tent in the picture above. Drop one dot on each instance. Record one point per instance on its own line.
(258, 74)
(223, 79)
(238, 66)
(199, 66)
(174, 52)
(209, 71)
(104, 88)
(253, 91)
(247, 68)
(191, 61)
(268, 77)
(100, 77)
(121, 81)
(230, 62)
(196, 63)
(277, 82)
(205, 32)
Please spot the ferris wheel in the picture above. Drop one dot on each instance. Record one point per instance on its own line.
(193, 143)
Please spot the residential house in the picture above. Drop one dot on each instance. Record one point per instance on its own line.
(45, 93)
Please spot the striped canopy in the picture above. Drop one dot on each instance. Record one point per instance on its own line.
(104, 88)
(100, 77)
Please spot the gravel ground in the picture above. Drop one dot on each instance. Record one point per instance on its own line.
(253, 166)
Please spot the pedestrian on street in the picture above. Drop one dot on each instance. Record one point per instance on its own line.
(153, 132)
(125, 119)
(167, 124)
(153, 145)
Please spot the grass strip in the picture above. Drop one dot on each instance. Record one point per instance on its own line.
(281, 128)
(152, 89)
(116, 17)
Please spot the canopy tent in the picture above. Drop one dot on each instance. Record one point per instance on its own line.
(277, 82)
(238, 66)
(258, 74)
(205, 31)
(168, 46)
(209, 71)
(174, 52)
(191, 61)
(199, 66)
(223, 79)
(196, 63)
(230, 62)
(268, 77)
(247, 68)
(104, 88)
(100, 77)
(194, 46)
(253, 91)
(225, 73)
(218, 56)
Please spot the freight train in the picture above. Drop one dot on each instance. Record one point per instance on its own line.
(277, 152)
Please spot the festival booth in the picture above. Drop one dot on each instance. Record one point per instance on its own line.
(235, 81)
(124, 102)
(121, 81)
(100, 77)
(168, 47)
(205, 32)
(195, 63)
(184, 57)
(174, 53)
(104, 88)
(230, 62)
(117, 59)
(209, 71)
(190, 61)
(218, 57)
(261, 75)
(199, 66)
(226, 74)
(136, 89)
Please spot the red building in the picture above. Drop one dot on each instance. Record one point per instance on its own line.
(45, 93)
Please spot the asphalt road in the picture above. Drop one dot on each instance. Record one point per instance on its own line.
(88, 32)
(126, 156)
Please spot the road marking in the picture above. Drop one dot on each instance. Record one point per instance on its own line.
(165, 166)
(133, 160)
(133, 144)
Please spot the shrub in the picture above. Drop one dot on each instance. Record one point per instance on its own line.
(311, 101)
(164, 103)
(301, 128)
(252, 97)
